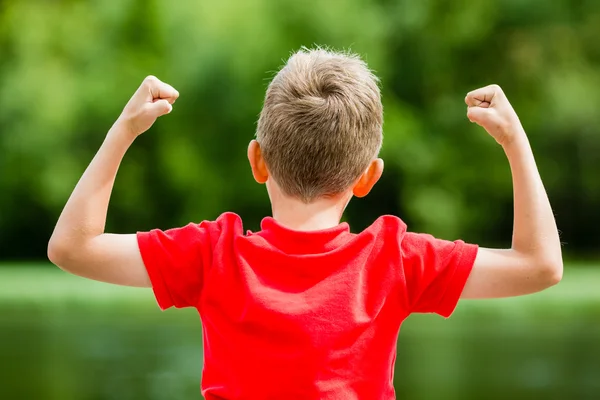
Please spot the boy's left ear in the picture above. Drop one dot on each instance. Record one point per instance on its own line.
(369, 178)
(257, 162)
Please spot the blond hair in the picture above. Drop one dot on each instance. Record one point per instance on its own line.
(321, 123)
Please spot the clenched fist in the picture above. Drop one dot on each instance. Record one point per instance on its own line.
(152, 100)
(489, 108)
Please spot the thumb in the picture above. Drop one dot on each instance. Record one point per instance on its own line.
(159, 108)
(479, 115)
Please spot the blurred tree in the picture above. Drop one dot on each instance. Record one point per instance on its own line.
(68, 67)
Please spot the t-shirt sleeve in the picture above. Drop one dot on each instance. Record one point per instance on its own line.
(175, 260)
(436, 272)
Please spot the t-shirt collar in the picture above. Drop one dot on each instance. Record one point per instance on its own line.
(295, 241)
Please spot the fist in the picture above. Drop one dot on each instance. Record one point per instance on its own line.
(152, 100)
(489, 108)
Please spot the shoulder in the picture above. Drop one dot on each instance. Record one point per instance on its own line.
(385, 236)
(226, 223)
(387, 225)
(229, 221)
(392, 231)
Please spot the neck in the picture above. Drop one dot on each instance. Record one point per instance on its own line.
(320, 214)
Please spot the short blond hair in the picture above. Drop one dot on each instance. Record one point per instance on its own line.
(321, 123)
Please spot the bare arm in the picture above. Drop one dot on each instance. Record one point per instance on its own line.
(534, 262)
(79, 244)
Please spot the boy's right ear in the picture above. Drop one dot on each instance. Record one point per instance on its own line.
(257, 162)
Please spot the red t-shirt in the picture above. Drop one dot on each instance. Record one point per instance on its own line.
(303, 315)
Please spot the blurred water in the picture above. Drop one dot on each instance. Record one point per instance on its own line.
(99, 353)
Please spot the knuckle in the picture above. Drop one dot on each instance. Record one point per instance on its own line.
(150, 79)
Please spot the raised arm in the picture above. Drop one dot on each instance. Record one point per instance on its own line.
(79, 244)
(534, 262)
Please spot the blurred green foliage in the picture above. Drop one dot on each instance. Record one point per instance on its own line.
(67, 67)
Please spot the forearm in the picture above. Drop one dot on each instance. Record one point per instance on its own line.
(535, 234)
(79, 244)
(534, 262)
(84, 215)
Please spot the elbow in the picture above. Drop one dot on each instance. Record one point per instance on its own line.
(56, 252)
(545, 268)
(59, 253)
(68, 253)
(551, 272)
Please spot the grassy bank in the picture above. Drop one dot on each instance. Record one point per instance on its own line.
(45, 285)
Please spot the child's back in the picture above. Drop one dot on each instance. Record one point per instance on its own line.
(315, 314)
(305, 309)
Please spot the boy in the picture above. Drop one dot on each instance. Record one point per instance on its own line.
(304, 309)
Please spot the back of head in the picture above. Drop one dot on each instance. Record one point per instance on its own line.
(321, 123)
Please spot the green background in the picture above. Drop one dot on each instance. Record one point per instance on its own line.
(67, 67)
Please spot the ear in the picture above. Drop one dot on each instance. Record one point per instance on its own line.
(257, 162)
(368, 179)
